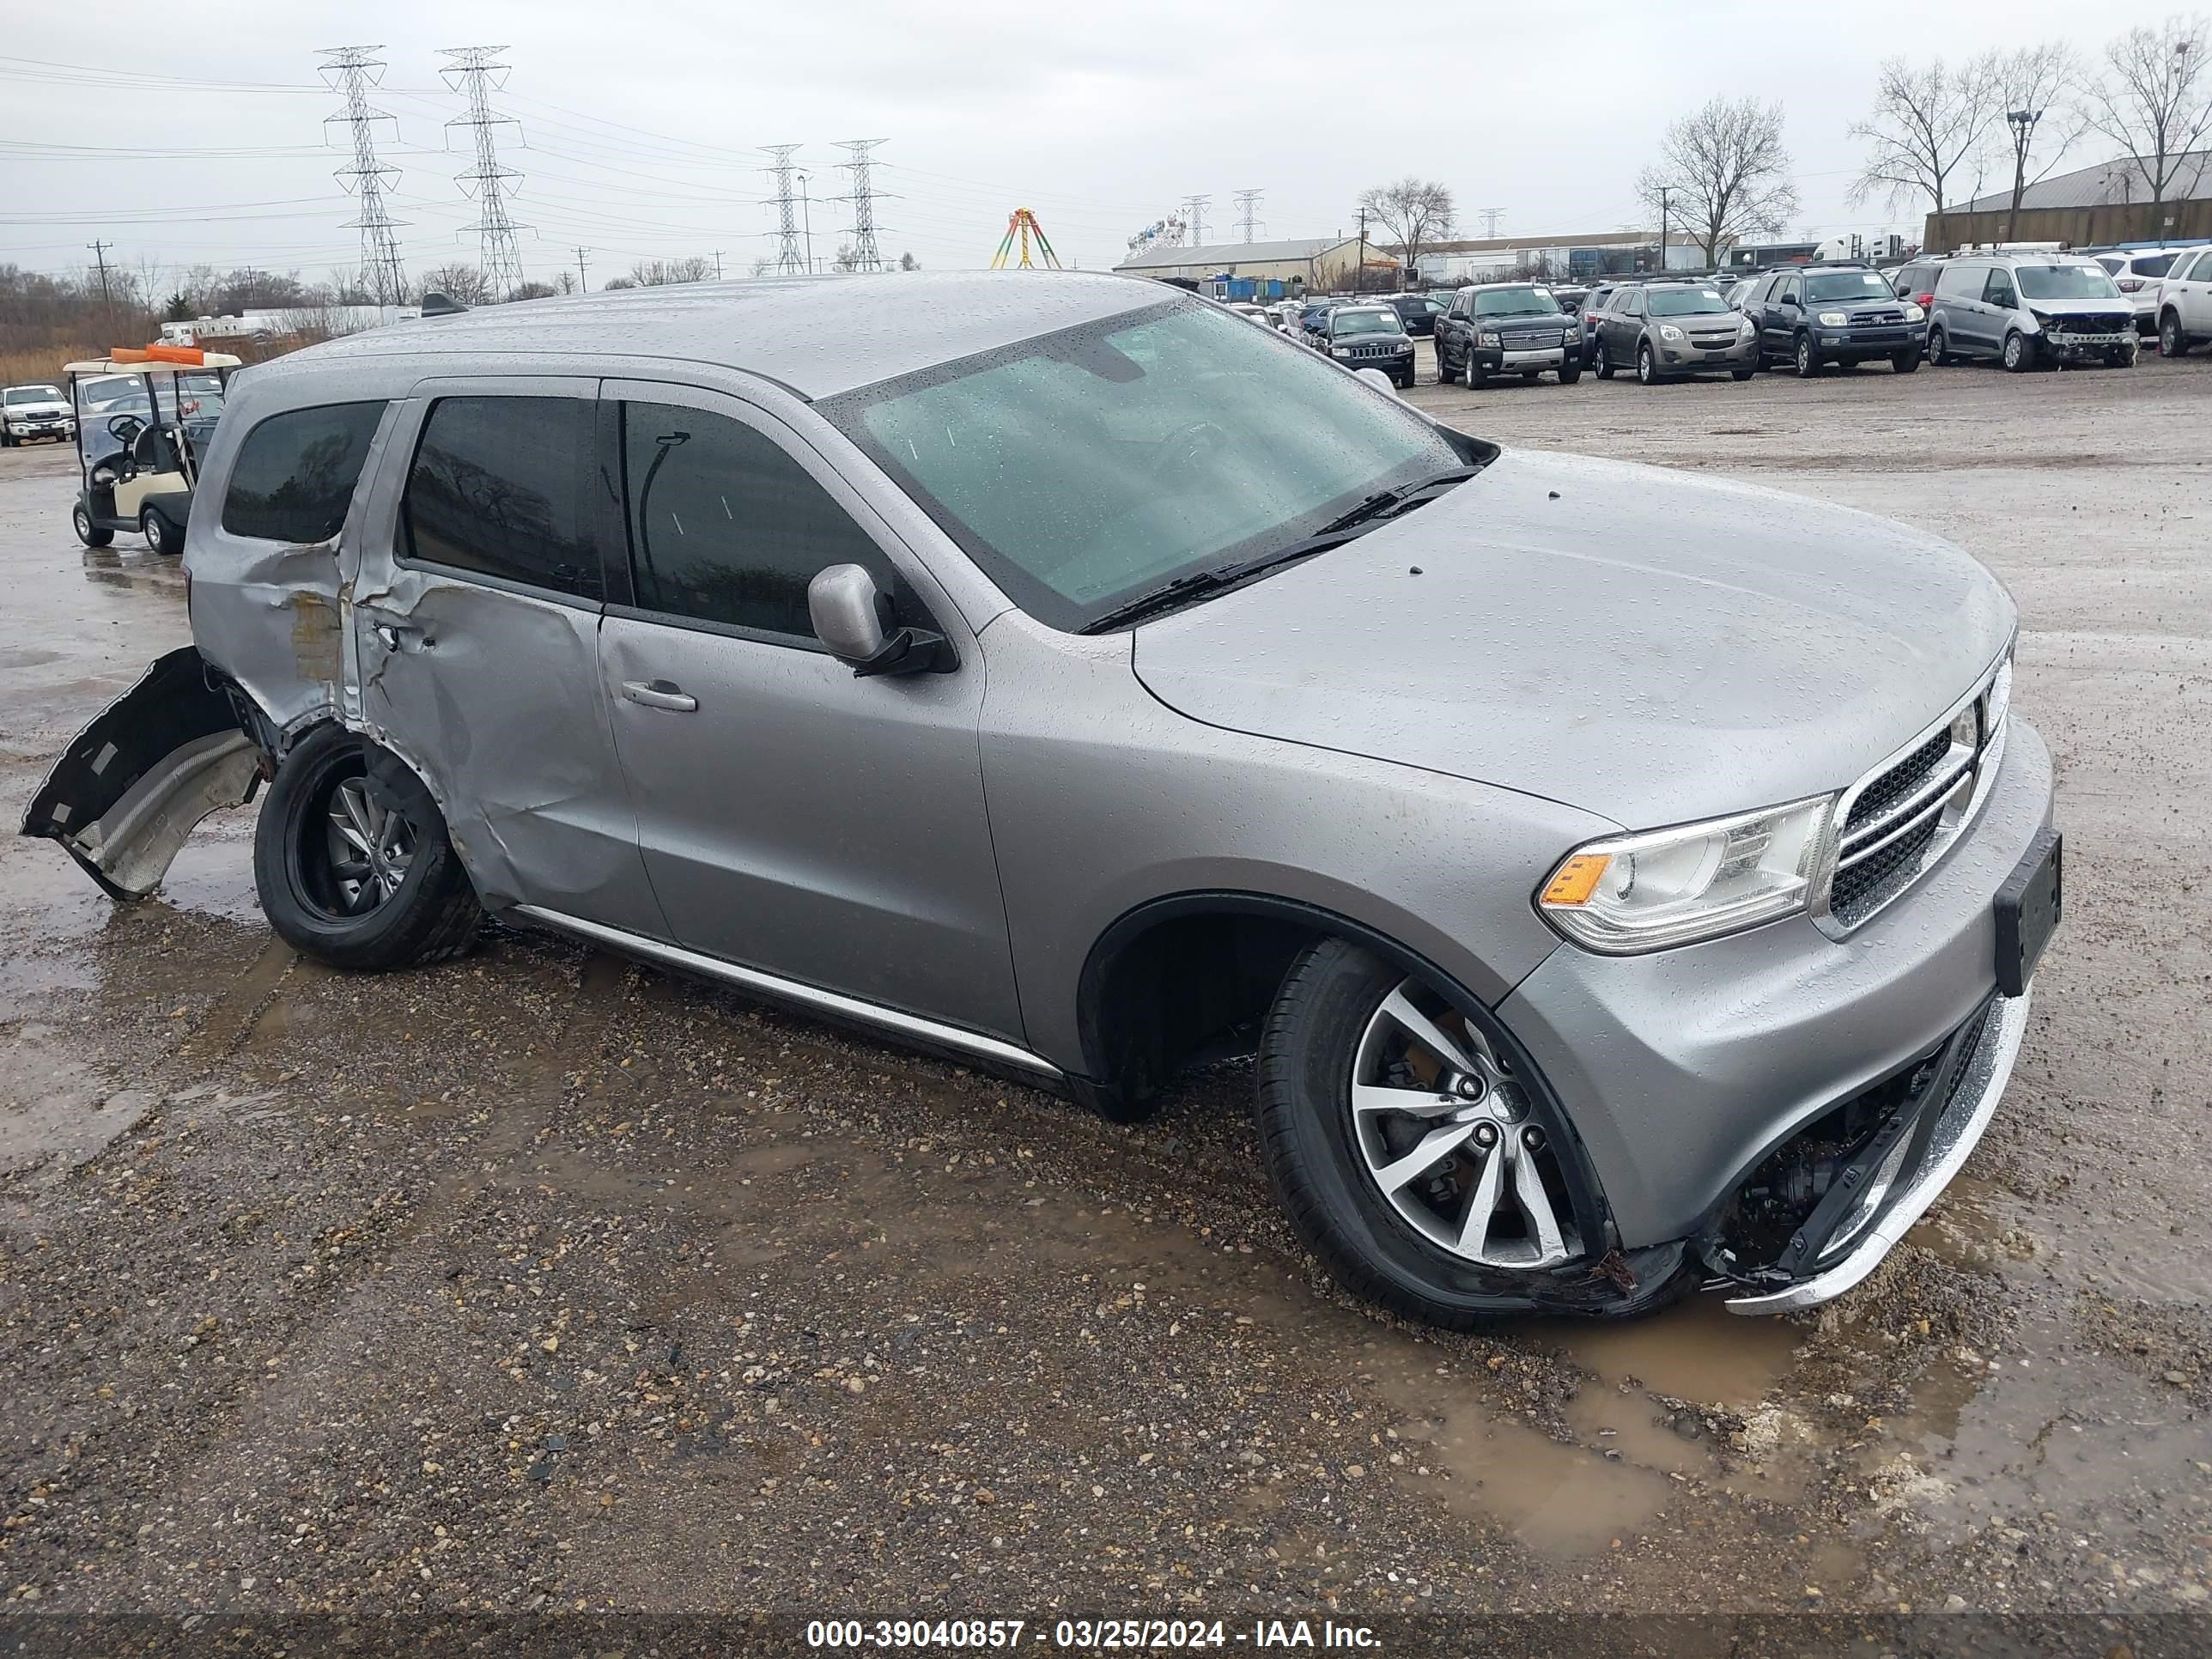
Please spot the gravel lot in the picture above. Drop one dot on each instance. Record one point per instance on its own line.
(543, 1283)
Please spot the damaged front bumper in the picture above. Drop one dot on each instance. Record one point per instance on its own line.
(1873, 1200)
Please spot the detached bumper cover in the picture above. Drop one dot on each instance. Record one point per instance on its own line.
(1958, 1128)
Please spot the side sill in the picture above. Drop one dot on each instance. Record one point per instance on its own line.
(893, 1021)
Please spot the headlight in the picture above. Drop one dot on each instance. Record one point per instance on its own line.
(1635, 893)
(1833, 319)
(1668, 331)
(1488, 338)
(1913, 313)
(1339, 352)
(1747, 328)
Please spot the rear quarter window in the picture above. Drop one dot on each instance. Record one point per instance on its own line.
(295, 475)
(1957, 280)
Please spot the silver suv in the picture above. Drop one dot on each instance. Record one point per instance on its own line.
(1624, 879)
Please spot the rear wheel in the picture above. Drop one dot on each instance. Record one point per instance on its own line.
(1408, 1154)
(349, 873)
(164, 537)
(1604, 365)
(80, 521)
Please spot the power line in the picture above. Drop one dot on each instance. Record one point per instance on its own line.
(354, 73)
(1490, 215)
(1247, 200)
(788, 259)
(1194, 213)
(862, 195)
(471, 70)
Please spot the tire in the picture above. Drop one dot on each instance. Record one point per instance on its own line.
(2019, 353)
(165, 538)
(1807, 358)
(80, 521)
(1322, 1165)
(2172, 341)
(1477, 376)
(1647, 365)
(1570, 370)
(1530, 376)
(1904, 363)
(1939, 347)
(1603, 366)
(1740, 374)
(419, 907)
(7, 439)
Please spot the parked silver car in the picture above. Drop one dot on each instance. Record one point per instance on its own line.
(1624, 879)
(2030, 310)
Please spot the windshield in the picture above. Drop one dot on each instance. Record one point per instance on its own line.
(1084, 467)
(2065, 282)
(1684, 301)
(34, 394)
(1515, 303)
(1847, 285)
(1366, 322)
(117, 394)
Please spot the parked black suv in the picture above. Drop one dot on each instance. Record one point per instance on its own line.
(1369, 337)
(1416, 311)
(1507, 328)
(1815, 315)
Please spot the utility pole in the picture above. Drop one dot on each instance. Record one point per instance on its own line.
(471, 70)
(718, 264)
(1490, 218)
(1246, 201)
(582, 287)
(1359, 271)
(862, 195)
(99, 252)
(2022, 121)
(1193, 214)
(351, 71)
(1665, 191)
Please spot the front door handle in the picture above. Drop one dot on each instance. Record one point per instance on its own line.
(659, 694)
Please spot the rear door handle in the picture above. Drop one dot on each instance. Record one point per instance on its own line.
(659, 694)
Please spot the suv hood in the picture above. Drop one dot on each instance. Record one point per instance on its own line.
(42, 411)
(1640, 643)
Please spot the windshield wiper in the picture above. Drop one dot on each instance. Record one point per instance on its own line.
(1345, 526)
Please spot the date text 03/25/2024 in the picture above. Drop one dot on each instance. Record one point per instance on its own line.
(1086, 1635)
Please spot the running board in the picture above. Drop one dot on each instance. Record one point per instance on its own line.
(892, 1022)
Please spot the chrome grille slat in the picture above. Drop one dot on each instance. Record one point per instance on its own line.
(1926, 797)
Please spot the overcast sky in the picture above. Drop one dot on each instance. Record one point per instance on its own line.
(640, 121)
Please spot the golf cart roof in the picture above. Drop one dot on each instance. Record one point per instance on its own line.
(108, 366)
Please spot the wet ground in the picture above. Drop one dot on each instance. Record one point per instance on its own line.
(541, 1282)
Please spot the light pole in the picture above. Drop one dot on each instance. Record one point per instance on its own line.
(2022, 121)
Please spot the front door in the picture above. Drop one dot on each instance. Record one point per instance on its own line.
(477, 619)
(794, 818)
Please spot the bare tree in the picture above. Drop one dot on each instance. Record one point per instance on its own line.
(1724, 170)
(907, 262)
(533, 290)
(660, 273)
(1929, 123)
(2154, 99)
(2032, 86)
(1416, 212)
(564, 283)
(462, 283)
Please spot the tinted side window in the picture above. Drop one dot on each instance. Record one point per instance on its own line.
(294, 474)
(725, 526)
(501, 487)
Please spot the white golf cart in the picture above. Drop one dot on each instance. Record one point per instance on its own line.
(142, 422)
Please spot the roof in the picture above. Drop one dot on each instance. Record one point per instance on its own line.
(107, 366)
(1517, 244)
(2108, 184)
(1221, 255)
(817, 335)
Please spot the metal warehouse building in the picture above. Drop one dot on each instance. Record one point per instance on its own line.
(1240, 270)
(2108, 203)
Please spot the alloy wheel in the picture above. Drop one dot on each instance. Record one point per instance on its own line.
(1646, 370)
(1446, 1134)
(369, 848)
(1804, 358)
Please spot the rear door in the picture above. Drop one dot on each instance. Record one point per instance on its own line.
(1778, 320)
(1958, 303)
(477, 621)
(795, 818)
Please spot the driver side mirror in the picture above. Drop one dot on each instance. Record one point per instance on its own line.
(852, 617)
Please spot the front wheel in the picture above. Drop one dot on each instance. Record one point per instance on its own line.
(354, 873)
(161, 535)
(2172, 341)
(1740, 374)
(1647, 365)
(80, 521)
(1570, 370)
(1410, 1156)
(1808, 360)
(1904, 363)
(1939, 347)
(2019, 353)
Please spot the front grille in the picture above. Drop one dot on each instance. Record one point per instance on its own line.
(1899, 818)
(1878, 318)
(1530, 339)
(2099, 324)
(1376, 350)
